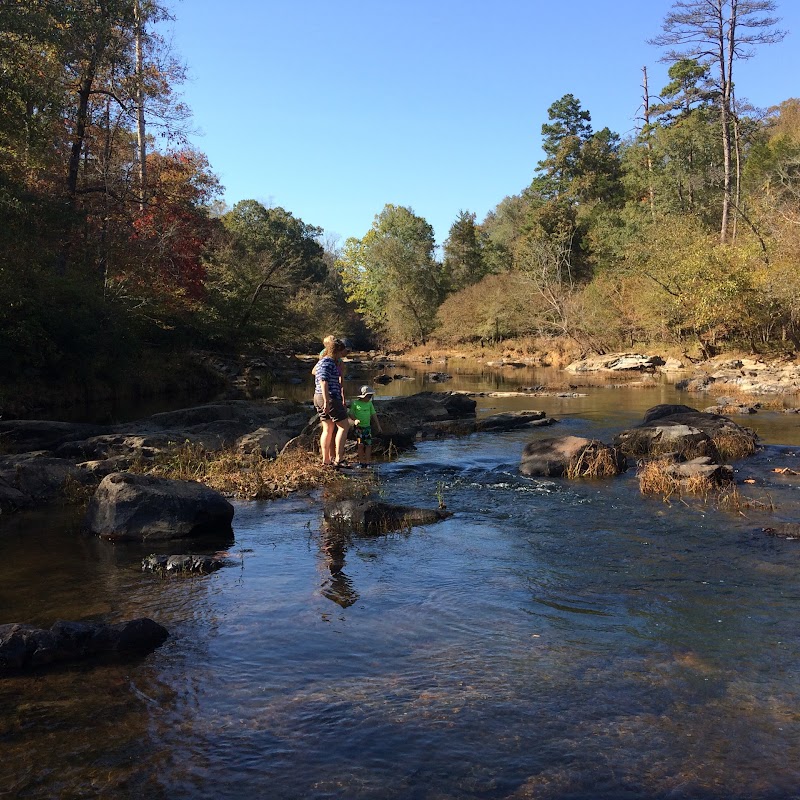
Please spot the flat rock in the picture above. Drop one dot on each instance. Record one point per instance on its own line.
(27, 435)
(616, 362)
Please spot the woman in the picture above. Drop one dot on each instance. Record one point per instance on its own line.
(329, 402)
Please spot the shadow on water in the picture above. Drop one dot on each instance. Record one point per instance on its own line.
(552, 640)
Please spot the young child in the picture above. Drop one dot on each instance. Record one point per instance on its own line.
(363, 412)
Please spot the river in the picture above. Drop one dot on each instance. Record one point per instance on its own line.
(553, 639)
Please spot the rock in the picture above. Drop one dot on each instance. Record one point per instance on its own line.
(183, 564)
(733, 408)
(382, 379)
(265, 441)
(671, 365)
(702, 467)
(375, 518)
(616, 362)
(748, 375)
(35, 478)
(666, 410)
(127, 506)
(24, 647)
(438, 377)
(253, 414)
(554, 456)
(691, 433)
(784, 530)
(27, 435)
(512, 420)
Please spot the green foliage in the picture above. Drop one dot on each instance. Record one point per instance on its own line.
(392, 277)
(496, 308)
(268, 278)
(464, 262)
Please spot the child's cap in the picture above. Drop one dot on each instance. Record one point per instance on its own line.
(366, 391)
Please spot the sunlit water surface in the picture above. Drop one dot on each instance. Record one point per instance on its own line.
(550, 640)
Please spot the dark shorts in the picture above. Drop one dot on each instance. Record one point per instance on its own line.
(363, 434)
(337, 410)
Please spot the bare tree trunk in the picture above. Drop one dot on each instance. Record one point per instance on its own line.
(140, 126)
(737, 190)
(725, 64)
(80, 126)
(649, 143)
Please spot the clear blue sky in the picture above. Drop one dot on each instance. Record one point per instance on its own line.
(332, 109)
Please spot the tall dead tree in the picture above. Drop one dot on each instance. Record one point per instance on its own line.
(717, 33)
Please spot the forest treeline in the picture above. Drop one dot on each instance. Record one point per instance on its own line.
(114, 244)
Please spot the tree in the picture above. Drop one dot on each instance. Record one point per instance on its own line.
(262, 259)
(686, 151)
(580, 173)
(392, 277)
(463, 252)
(717, 33)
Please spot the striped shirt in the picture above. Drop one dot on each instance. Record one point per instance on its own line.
(328, 371)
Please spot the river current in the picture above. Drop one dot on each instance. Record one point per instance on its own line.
(551, 640)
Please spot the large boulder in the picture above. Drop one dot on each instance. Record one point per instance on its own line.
(128, 506)
(405, 417)
(572, 456)
(24, 647)
(374, 517)
(689, 433)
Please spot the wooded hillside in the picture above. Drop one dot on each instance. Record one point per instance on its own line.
(115, 244)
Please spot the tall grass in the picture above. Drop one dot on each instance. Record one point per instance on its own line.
(732, 445)
(594, 461)
(244, 475)
(655, 478)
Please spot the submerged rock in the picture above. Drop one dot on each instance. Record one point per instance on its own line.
(784, 530)
(24, 647)
(127, 506)
(183, 564)
(374, 518)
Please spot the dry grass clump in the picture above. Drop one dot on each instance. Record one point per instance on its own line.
(243, 475)
(732, 445)
(732, 499)
(654, 478)
(594, 461)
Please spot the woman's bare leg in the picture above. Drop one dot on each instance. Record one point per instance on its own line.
(341, 437)
(326, 440)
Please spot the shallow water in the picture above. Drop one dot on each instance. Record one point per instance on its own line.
(550, 640)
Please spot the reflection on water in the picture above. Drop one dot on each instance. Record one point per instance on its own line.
(550, 640)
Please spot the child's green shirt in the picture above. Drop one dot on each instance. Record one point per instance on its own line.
(362, 410)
